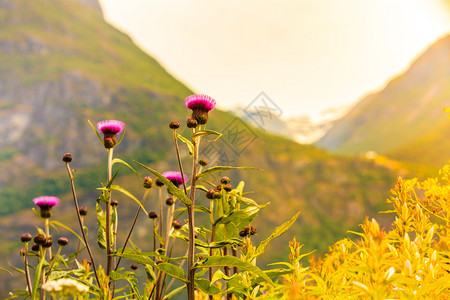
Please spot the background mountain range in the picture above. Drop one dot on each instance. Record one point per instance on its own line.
(61, 64)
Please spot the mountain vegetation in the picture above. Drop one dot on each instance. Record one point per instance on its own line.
(61, 65)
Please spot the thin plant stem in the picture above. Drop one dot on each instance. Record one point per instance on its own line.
(164, 276)
(132, 226)
(27, 271)
(108, 216)
(154, 239)
(53, 262)
(78, 246)
(80, 222)
(42, 256)
(235, 254)
(47, 233)
(213, 230)
(169, 218)
(160, 215)
(181, 266)
(190, 209)
(175, 140)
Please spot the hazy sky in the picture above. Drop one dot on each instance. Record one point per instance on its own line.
(306, 55)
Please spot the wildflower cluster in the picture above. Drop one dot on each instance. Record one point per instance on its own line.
(219, 260)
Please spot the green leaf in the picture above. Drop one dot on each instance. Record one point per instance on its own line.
(127, 193)
(197, 208)
(231, 261)
(174, 292)
(206, 286)
(165, 267)
(207, 132)
(108, 186)
(121, 138)
(276, 233)
(238, 216)
(3, 269)
(67, 228)
(222, 168)
(187, 142)
(96, 132)
(118, 160)
(37, 276)
(170, 186)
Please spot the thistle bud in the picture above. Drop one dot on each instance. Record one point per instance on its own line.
(83, 210)
(63, 241)
(174, 125)
(152, 215)
(48, 242)
(191, 122)
(148, 183)
(203, 162)
(35, 247)
(133, 267)
(176, 225)
(39, 239)
(169, 201)
(23, 251)
(158, 182)
(228, 187)
(210, 193)
(26, 237)
(225, 180)
(217, 194)
(114, 203)
(67, 158)
(109, 143)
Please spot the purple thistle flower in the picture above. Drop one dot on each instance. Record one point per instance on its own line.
(200, 101)
(200, 105)
(175, 177)
(45, 204)
(110, 126)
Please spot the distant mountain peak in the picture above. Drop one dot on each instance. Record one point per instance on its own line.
(408, 107)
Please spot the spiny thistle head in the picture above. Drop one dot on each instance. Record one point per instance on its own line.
(228, 187)
(67, 158)
(176, 225)
(200, 106)
(110, 129)
(63, 241)
(152, 215)
(48, 242)
(191, 122)
(158, 182)
(169, 201)
(45, 203)
(148, 182)
(26, 237)
(174, 125)
(225, 180)
(83, 210)
(175, 177)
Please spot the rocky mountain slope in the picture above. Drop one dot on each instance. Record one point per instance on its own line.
(403, 114)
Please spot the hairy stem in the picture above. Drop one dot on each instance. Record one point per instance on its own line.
(160, 215)
(47, 233)
(108, 216)
(27, 272)
(190, 209)
(132, 226)
(80, 222)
